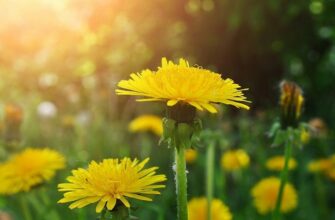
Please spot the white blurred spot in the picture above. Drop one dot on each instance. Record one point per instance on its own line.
(47, 109)
(83, 118)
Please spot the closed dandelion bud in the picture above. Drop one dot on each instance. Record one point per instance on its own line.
(291, 101)
(13, 114)
(12, 124)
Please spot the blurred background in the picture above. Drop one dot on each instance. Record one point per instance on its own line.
(60, 62)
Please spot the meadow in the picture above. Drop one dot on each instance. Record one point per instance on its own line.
(163, 110)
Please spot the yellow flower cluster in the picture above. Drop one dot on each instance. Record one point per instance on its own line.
(197, 210)
(109, 181)
(233, 160)
(28, 169)
(144, 123)
(265, 194)
(174, 83)
(277, 163)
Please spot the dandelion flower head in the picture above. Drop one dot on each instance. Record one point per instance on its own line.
(265, 194)
(110, 181)
(234, 160)
(197, 210)
(28, 169)
(147, 123)
(190, 155)
(181, 83)
(276, 163)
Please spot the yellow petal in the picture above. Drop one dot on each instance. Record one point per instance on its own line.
(172, 102)
(124, 201)
(111, 203)
(100, 206)
(210, 108)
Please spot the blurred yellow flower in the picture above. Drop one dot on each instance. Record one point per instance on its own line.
(265, 194)
(321, 165)
(111, 180)
(325, 166)
(197, 210)
(176, 83)
(190, 155)
(28, 169)
(277, 163)
(147, 123)
(305, 136)
(234, 160)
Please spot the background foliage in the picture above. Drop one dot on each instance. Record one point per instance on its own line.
(72, 53)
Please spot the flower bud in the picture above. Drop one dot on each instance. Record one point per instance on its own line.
(291, 101)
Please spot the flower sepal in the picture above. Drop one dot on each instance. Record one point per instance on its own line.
(282, 135)
(181, 134)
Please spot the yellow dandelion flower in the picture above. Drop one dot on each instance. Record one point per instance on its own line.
(111, 180)
(28, 169)
(234, 160)
(197, 210)
(147, 123)
(277, 163)
(190, 155)
(182, 83)
(331, 173)
(321, 165)
(265, 194)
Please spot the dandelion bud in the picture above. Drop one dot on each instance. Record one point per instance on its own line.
(13, 114)
(291, 101)
(12, 125)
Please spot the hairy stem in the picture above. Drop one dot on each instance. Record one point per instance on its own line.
(181, 183)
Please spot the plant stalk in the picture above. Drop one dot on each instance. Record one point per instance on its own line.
(181, 183)
(210, 177)
(283, 177)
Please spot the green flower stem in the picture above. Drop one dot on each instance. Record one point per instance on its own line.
(221, 184)
(25, 209)
(181, 183)
(283, 176)
(321, 196)
(210, 177)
